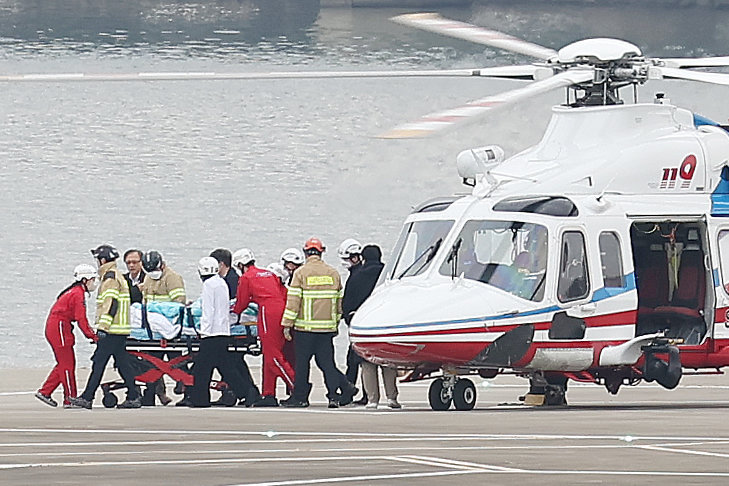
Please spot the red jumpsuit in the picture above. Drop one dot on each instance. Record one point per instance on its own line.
(70, 306)
(265, 289)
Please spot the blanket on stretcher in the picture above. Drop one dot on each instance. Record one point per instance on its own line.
(167, 320)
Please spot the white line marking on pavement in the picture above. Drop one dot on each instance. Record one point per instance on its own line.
(199, 452)
(359, 478)
(428, 462)
(453, 462)
(684, 451)
(358, 436)
(194, 461)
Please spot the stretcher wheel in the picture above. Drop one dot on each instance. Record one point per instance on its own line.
(110, 400)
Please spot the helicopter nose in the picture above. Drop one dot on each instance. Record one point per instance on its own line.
(403, 322)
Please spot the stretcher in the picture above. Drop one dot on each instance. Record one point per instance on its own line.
(171, 330)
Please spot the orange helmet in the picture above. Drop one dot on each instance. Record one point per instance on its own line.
(314, 244)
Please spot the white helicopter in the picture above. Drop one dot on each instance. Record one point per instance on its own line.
(595, 255)
(601, 254)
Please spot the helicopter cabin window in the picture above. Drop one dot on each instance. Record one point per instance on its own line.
(418, 244)
(611, 260)
(573, 281)
(508, 255)
(723, 256)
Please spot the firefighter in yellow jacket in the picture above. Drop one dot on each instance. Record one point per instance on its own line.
(161, 284)
(313, 310)
(112, 328)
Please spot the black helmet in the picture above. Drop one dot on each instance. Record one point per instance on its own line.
(151, 261)
(107, 252)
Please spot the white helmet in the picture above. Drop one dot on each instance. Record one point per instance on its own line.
(278, 269)
(244, 256)
(84, 271)
(293, 255)
(349, 247)
(207, 266)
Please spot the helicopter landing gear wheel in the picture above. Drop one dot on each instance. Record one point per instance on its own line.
(464, 394)
(440, 394)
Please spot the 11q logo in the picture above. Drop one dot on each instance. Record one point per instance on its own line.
(684, 173)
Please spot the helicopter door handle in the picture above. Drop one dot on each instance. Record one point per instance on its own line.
(582, 310)
(588, 308)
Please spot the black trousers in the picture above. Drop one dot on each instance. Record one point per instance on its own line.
(354, 363)
(319, 345)
(213, 354)
(110, 345)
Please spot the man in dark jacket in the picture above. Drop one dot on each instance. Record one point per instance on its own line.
(350, 252)
(360, 285)
(135, 275)
(362, 282)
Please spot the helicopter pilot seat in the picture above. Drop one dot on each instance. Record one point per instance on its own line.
(684, 317)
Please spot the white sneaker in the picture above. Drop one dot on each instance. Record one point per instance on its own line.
(393, 404)
(371, 405)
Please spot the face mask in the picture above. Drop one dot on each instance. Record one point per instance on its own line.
(156, 275)
(91, 284)
(347, 263)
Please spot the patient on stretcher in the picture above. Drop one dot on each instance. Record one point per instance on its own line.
(168, 320)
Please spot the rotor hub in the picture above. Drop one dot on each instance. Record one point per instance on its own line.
(598, 51)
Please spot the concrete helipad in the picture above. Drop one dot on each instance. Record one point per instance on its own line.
(644, 435)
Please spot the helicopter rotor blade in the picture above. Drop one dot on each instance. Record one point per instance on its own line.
(433, 22)
(515, 72)
(675, 73)
(694, 62)
(443, 120)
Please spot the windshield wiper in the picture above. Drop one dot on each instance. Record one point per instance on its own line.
(453, 257)
(430, 251)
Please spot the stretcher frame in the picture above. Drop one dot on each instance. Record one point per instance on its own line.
(149, 368)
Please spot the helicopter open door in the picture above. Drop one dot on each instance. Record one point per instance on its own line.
(673, 280)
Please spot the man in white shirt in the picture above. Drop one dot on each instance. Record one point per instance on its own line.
(214, 337)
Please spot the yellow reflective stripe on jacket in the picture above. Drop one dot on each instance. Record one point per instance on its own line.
(304, 325)
(295, 291)
(159, 298)
(290, 314)
(175, 293)
(108, 293)
(121, 325)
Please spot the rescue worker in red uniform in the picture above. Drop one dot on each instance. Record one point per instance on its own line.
(264, 288)
(70, 307)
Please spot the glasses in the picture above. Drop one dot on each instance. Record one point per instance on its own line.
(128, 262)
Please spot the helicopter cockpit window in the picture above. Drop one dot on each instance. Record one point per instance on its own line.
(416, 247)
(547, 205)
(509, 255)
(573, 281)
